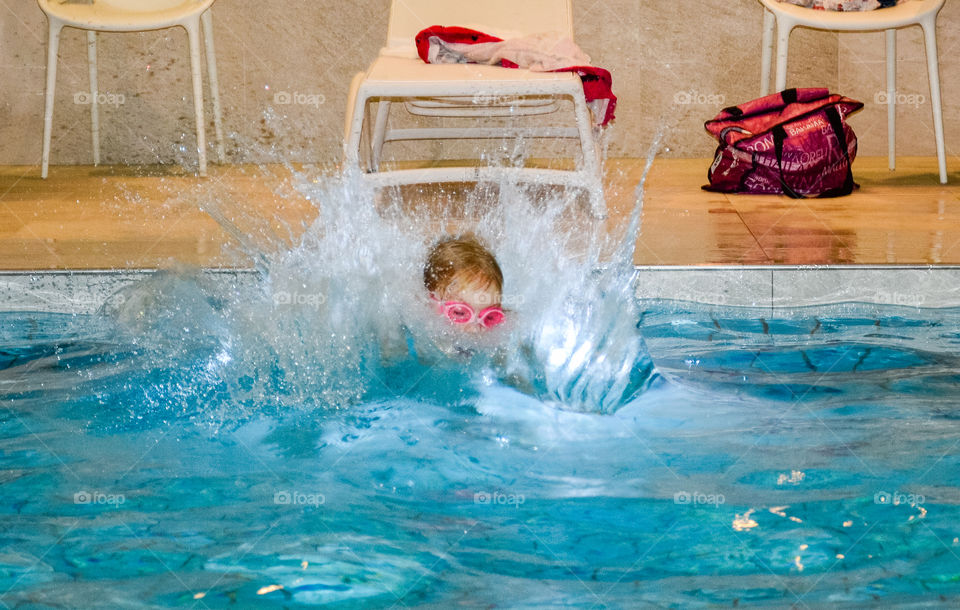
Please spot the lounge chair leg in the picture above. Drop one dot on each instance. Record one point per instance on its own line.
(892, 98)
(933, 67)
(766, 52)
(784, 27)
(379, 133)
(206, 19)
(598, 204)
(94, 94)
(354, 128)
(591, 165)
(193, 33)
(53, 48)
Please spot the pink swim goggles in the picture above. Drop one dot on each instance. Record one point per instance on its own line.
(459, 312)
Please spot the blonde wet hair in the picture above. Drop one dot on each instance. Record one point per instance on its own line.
(463, 259)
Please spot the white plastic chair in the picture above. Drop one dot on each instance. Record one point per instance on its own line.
(469, 90)
(906, 13)
(132, 16)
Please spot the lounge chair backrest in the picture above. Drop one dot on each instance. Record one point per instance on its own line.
(495, 17)
(135, 6)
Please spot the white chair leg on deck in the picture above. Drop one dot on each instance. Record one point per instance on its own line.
(892, 98)
(354, 129)
(351, 98)
(591, 157)
(784, 27)
(766, 52)
(353, 125)
(206, 20)
(933, 67)
(598, 203)
(94, 94)
(379, 134)
(193, 33)
(53, 48)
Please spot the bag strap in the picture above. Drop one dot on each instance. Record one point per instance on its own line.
(779, 136)
(836, 122)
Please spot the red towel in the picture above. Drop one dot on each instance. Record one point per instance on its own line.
(597, 83)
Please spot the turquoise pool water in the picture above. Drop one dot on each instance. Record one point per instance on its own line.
(803, 458)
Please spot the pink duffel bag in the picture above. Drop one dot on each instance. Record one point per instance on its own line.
(795, 142)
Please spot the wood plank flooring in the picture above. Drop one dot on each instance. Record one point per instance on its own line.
(127, 217)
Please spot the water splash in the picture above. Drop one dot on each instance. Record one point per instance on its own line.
(342, 316)
(587, 354)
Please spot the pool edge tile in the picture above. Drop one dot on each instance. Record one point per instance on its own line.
(85, 292)
(733, 286)
(921, 287)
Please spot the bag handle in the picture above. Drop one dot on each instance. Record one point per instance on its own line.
(836, 122)
(779, 136)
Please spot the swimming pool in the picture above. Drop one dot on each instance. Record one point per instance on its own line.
(802, 457)
(240, 439)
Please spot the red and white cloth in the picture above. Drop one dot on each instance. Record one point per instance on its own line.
(539, 53)
(843, 5)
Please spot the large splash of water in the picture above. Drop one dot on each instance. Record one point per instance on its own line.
(342, 315)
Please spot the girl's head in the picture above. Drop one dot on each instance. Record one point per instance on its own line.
(466, 281)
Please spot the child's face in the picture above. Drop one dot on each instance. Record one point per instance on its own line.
(482, 298)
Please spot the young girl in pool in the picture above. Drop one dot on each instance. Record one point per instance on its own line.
(461, 317)
(463, 287)
(465, 283)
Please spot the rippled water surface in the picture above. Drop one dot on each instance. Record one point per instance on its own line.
(320, 436)
(807, 457)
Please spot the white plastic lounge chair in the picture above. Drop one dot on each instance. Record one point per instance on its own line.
(468, 90)
(906, 13)
(132, 16)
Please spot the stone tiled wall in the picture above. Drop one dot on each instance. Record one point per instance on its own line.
(862, 75)
(285, 68)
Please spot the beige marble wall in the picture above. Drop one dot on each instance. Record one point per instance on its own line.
(862, 75)
(674, 62)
